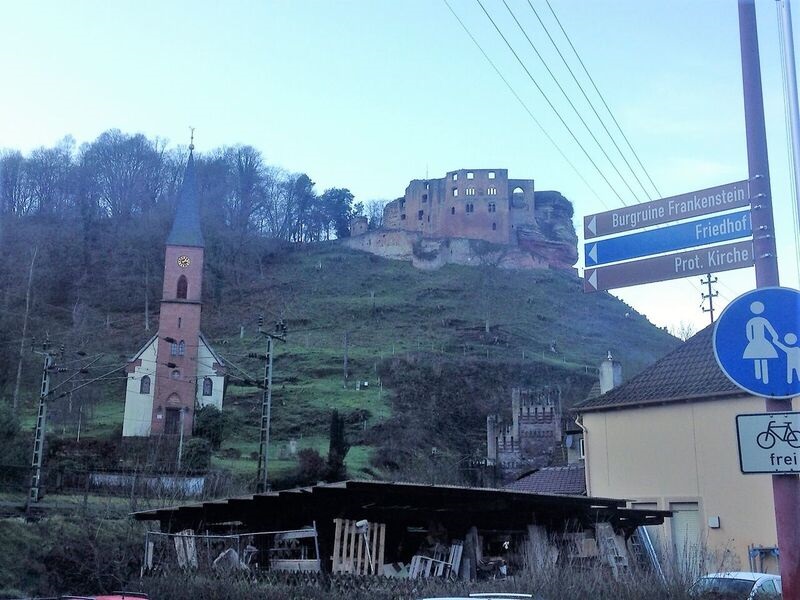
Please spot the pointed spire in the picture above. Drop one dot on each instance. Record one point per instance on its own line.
(186, 225)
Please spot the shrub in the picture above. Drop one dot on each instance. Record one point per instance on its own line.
(209, 423)
(196, 454)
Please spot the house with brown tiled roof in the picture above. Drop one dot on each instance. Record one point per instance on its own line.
(666, 439)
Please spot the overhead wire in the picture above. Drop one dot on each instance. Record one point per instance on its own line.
(588, 101)
(569, 101)
(525, 106)
(550, 103)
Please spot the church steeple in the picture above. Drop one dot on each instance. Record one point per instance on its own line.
(186, 226)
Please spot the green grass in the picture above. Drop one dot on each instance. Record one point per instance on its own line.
(323, 292)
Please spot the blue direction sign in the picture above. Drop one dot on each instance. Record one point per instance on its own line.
(756, 342)
(676, 237)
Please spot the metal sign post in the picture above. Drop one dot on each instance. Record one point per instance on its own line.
(786, 488)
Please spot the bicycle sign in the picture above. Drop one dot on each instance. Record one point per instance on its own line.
(769, 442)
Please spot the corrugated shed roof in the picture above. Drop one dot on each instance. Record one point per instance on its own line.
(689, 372)
(186, 226)
(568, 479)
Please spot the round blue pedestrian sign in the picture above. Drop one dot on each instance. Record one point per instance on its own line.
(756, 342)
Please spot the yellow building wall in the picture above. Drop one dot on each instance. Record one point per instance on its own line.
(685, 452)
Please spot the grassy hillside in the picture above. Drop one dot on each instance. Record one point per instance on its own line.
(447, 345)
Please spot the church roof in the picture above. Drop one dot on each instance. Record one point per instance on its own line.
(186, 226)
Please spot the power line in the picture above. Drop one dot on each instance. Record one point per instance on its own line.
(549, 102)
(602, 99)
(591, 104)
(569, 100)
(525, 106)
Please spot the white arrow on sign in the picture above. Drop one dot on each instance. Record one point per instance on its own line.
(592, 279)
(593, 253)
(592, 225)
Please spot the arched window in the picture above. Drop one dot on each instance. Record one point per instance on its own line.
(183, 287)
(181, 348)
(173, 349)
(208, 387)
(144, 385)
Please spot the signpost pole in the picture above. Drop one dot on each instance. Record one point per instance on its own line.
(786, 488)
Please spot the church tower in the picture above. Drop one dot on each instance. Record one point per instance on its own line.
(176, 372)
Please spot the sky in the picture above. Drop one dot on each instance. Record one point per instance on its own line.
(369, 94)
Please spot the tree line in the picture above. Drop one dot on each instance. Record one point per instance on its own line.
(82, 230)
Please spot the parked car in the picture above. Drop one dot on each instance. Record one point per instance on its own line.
(737, 585)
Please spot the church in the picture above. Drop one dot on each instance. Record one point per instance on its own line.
(176, 372)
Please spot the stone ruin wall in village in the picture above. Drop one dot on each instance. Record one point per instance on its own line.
(474, 217)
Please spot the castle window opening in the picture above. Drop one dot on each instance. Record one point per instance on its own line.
(424, 197)
(183, 287)
(470, 208)
(429, 218)
(455, 176)
(492, 191)
(419, 215)
(470, 175)
(470, 191)
(179, 322)
(403, 217)
(492, 207)
(455, 192)
(144, 385)
(494, 226)
(452, 210)
(491, 174)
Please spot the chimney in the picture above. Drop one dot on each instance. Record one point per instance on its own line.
(610, 374)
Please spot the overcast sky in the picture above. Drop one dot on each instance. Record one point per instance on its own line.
(368, 94)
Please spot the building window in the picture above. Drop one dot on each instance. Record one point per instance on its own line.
(208, 387)
(175, 374)
(183, 287)
(424, 197)
(492, 191)
(173, 349)
(470, 175)
(179, 322)
(470, 208)
(403, 217)
(494, 226)
(491, 174)
(452, 210)
(582, 448)
(455, 191)
(455, 176)
(518, 190)
(419, 215)
(470, 191)
(144, 385)
(492, 207)
(402, 204)
(181, 348)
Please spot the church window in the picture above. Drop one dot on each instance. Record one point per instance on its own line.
(181, 348)
(208, 387)
(183, 287)
(175, 374)
(173, 349)
(144, 385)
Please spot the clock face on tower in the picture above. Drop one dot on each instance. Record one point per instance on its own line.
(184, 261)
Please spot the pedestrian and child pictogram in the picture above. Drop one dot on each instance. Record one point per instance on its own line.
(755, 342)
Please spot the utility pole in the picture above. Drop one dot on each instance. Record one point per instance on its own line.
(346, 348)
(785, 488)
(709, 296)
(266, 401)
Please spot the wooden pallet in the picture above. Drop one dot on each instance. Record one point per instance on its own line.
(358, 551)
